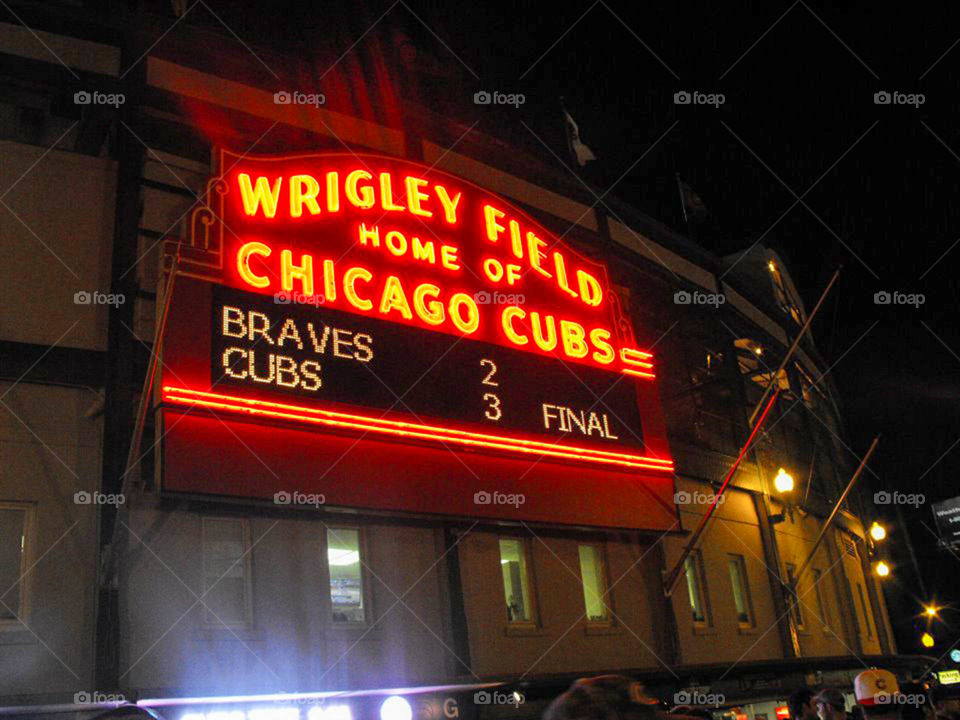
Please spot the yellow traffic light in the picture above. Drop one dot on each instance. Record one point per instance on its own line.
(927, 640)
(877, 531)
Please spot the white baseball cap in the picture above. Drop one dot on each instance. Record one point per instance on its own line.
(876, 687)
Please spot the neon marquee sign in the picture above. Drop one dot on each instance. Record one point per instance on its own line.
(366, 293)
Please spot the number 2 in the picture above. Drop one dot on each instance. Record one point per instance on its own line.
(488, 380)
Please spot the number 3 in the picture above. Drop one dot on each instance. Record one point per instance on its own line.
(493, 412)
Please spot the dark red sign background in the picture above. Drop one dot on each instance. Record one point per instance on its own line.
(212, 452)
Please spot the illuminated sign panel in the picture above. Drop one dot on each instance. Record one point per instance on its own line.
(371, 296)
(948, 677)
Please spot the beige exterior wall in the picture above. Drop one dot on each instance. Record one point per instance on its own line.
(563, 641)
(734, 531)
(50, 450)
(168, 643)
(56, 233)
(824, 631)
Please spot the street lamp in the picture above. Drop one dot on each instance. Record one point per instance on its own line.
(930, 611)
(877, 531)
(783, 482)
(882, 569)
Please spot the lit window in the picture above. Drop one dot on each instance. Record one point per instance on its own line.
(864, 609)
(516, 580)
(13, 552)
(795, 603)
(226, 572)
(346, 575)
(593, 575)
(696, 588)
(756, 366)
(780, 293)
(741, 590)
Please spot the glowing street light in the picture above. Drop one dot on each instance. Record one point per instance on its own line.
(877, 531)
(396, 708)
(882, 569)
(927, 640)
(783, 482)
(930, 611)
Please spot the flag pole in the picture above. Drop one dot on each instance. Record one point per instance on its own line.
(670, 582)
(683, 206)
(833, 514)
(571, 153)
(671, 579)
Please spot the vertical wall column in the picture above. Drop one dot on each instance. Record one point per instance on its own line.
(122, 346)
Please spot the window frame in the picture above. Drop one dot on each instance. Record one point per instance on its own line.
(210, 621)
(364, 577)
(818, 578)
(26, 558)
(794, 587)
(700, 576)
(734, 559)
(606, 598)
(534, 621)
(864, 609)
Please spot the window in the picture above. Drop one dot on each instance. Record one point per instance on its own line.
(821, 603)
(793, 595)
(696, 588)
(593, 575)
(13, 559)
(810, 389)
(516, 580)
(781, 294)
(346, 576)
(756, 366)
(864, 609)
(226, 572)
(741, 590)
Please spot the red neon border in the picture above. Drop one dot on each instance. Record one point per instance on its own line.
(300, 413)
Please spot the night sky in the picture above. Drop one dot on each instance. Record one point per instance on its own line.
(877, 182)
